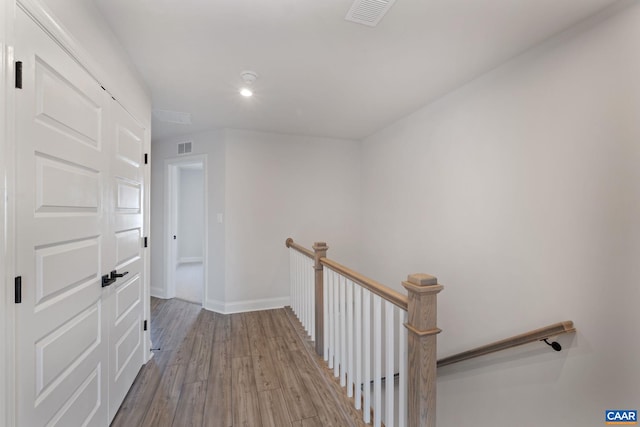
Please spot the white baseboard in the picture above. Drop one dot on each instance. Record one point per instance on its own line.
(214, 305)
(189, 260)
(158, 293)
(248, 305)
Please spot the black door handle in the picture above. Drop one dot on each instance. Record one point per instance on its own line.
(106, 281)
(115, 274)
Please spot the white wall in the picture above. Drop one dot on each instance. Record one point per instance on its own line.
(521, 193)
(268, 187)
(281, 186)
(210, 144)
(190, 215)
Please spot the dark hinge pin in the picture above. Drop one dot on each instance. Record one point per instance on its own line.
(18, 74)
(18, 289)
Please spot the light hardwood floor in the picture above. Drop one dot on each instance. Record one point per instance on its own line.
(249, 369)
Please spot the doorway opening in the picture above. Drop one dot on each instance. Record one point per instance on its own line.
(186, 228)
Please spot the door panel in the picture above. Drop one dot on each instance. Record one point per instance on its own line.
(55, 176)
(62, 106)
(128, 199)
(127, 247)
(126, 309)
(83, 405)
(61, 334)
(65, 268)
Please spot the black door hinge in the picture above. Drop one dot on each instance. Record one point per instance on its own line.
(18, 289)
(18, 74)
(145, 242)
(146, 158)
(144, 325)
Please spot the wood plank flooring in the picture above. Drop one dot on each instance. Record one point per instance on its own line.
(248, 369)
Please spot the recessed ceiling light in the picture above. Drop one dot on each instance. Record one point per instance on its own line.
(248, 77)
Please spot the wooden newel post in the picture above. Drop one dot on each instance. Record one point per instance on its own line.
(320, 249)
(422, 359)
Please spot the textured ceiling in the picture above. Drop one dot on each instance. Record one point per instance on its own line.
(319, 74)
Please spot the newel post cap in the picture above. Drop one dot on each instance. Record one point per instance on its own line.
(320, 246)
(421, 283)
(422, 279)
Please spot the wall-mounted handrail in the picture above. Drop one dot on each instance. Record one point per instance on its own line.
(527, 337)
(377, 288)
(291, 244)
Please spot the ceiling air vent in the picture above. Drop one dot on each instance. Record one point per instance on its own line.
(177, 117)
(368, 12)
(184, 147)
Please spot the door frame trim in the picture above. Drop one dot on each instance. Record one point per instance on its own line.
(170, 167)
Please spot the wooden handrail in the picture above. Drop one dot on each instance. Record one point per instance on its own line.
(377, 288)
(291, 244)
(536, 335)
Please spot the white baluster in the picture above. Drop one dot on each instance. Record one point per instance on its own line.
(330, 313)
(325, 313)
(305, 292)
(366, 334)
(312, 299)
(390, 348)
(302, 288)
(294, 304)
(358, 329)
(377, 360)
(350, 338)
(336, 335)
(312, 278)
(343, 332)
(299, 288)
(402, 355)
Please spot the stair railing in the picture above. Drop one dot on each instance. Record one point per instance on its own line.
(370, 334)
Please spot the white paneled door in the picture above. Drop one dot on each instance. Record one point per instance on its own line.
(79, 189)
(124, 302)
